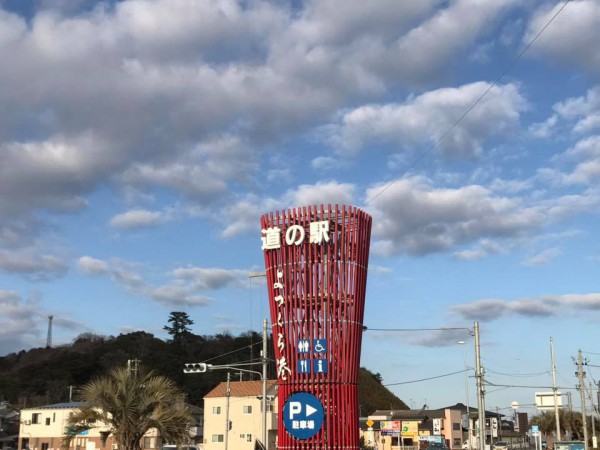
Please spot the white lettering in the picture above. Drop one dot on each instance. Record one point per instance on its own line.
(295, 408)
(319, 232)
(271, 239)
(294, 235)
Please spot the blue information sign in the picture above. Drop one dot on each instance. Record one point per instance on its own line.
(320, 366)
(303, 415)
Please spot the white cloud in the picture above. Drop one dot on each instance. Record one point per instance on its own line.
(137, 218)
(186, 285)
(210, 278)
(579, 115)
(543, 257)
(425, 119)
(543, 306)
(92, 266)
(572, 36)
(32, 263)
(411, 216)
(19, 322)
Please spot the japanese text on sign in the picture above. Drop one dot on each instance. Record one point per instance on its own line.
(283, 369)
(295, 234)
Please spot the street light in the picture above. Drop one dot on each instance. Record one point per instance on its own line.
(467, 394)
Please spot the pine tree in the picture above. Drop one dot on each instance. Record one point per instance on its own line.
(179, 328)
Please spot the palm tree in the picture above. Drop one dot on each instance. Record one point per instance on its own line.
(129, 402)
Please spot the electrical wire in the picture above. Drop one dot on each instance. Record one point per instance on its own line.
(517, 375)
(421, 329)
(425, 379)
(489, 383)
(233, 351)
(436, 142)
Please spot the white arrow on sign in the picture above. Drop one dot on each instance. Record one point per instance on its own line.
(310, 410)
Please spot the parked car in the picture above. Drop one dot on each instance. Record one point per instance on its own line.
(437, 446)
(179, 447)
(501, 445)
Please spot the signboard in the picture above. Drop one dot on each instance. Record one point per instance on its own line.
(437, 426)
(410, 427)
(303, 415)
(389, 427)
(545, 400)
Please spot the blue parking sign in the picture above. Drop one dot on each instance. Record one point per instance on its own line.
(303, 415)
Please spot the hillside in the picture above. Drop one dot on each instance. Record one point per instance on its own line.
(49, 375)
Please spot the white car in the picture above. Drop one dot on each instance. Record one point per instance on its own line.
(178, 447)
(501, 445)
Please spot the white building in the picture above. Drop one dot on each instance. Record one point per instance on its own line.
(238, 418)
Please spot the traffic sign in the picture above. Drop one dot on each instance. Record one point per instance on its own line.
(303, 415)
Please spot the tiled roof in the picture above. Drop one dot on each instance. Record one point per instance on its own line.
(240, 389)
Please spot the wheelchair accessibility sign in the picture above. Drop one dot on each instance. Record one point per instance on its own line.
(303, 415)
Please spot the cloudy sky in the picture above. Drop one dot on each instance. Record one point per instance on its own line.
(141, 140)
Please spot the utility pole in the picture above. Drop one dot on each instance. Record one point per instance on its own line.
(594, 440)
(264, 385)
(555, 389)
(580, 375)
(228, 395)
(480, 389)
(570, 401)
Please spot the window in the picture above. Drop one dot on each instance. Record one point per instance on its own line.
(47, 420)
(456, 426)
(149, 442)
(216, 410)
(456, 443)
(45, 446)
(217, 438)
(35, 418)
(248, 409)
(248, 438)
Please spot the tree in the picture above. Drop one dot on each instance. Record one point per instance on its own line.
(129, 402)
(571, 423)
(179, 329)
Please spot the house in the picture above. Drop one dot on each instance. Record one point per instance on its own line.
(410, 429)
(233, 415)
(43, 428)
(9, 427)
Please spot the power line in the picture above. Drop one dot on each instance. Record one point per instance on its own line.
(516, 375)
(475, 103)
(425, 379)
(489, 383)
(421, 329)
(233, 351)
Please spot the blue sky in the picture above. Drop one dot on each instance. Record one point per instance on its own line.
(141, 140)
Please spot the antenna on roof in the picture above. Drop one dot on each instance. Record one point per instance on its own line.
(49, 338)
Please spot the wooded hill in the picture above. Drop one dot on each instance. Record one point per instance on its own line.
(50, 375)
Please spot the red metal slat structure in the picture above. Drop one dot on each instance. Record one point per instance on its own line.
(316, 260)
